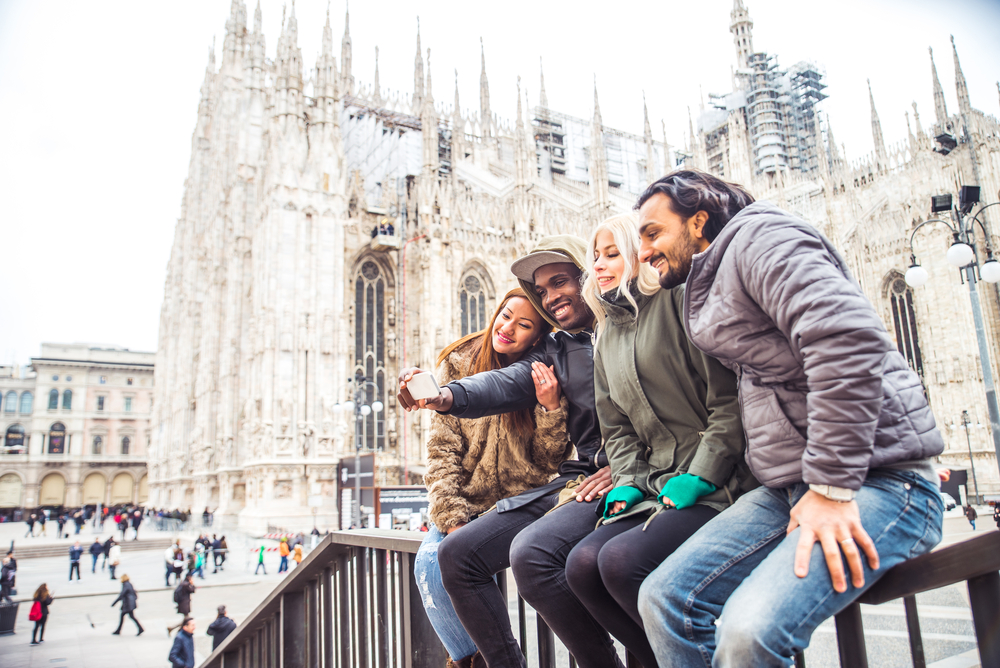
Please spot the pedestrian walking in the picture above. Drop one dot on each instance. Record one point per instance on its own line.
(297, 555)
(61, 521)
(96, 550)
(136, 521)
(224, 549)
(182, 597)
(31, 525)
(107, 550)
(168, 561)
(42, 517)
(40, 613)
(260, 562)
(78, 521)
(75, 552)
(283, 551)
(182, 652)
(7, 573)
(313, 538)
(220, 628)
(199, 560)
(996, 514)
(128, 598)
(114, 558)
(971, 515)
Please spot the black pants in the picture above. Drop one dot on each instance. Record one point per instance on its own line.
(606, 569)
(39, 629)
(121, 620)
(260, 566)
(5, 593)
(535, 547)
(112, 569)
(74, 565)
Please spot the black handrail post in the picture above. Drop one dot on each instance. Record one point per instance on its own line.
(344, 610)
(327, 611)
(851, 637)
(800, 660)
(913, 626)
(361, 592)
(522, 624)
(984, 599)
(546, 644)
(293, 628)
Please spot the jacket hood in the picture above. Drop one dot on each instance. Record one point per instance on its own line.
(575, 250)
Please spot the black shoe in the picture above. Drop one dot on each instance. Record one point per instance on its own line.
(116, 633)
(33, 642)
(141, 631)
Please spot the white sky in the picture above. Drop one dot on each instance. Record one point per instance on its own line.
(98, 100)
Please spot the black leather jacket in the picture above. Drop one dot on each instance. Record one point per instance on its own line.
(511, 389)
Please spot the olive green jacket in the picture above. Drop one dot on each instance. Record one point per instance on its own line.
(664, 406)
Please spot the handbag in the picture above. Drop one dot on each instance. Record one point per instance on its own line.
(36, 612)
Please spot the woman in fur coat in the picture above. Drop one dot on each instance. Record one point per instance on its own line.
(472, 464)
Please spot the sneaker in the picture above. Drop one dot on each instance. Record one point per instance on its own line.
(141, 631)
(33, 642)
(116, 633)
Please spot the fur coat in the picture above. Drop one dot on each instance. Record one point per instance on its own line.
(474, 463)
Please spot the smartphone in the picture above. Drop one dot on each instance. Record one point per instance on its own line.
(423, 386)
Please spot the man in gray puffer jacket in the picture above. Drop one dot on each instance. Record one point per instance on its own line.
(838, 431)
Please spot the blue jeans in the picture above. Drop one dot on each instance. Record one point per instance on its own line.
(738, 569)
(436, 601)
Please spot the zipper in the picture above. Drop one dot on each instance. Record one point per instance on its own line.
(743, 425)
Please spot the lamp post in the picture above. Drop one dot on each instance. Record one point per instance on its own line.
(962, 254)
(965, 423)
(360, 410)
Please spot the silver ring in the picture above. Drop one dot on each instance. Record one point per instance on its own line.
(543, 381)
(847, 540)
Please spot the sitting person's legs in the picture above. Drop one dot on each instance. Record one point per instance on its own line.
(739, 569)
(606, 569)
(437, 604)
(538, 560)
(468, 560)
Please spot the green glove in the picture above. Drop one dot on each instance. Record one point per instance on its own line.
(685, 489)
(630, 495)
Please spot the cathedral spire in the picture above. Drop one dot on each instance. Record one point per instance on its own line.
(485, 115)
(880, 153)
(347, 78)
(458, 109)
(234, 45)
(418, 75)
(327, 34)
(256, 19)
(428, 89)
(691, 137)
(325, 86)
(598, 158)
(666, 149)
(741, 25)
(832, 144)
(909, 132)
(647, 134)
(940, 110)
(964, 107)
(543, 99)
(376, 86)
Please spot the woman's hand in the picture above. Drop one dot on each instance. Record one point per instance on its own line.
(546, 386)
(617, 508)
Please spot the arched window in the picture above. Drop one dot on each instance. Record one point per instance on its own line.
(126, 442)
(67, 399)
(98, 445)
(904, 321)
(369, 346)
(53, 399)
(10, 403)
(26, 402)
(472, 304)
(14, 439)
(57, 438)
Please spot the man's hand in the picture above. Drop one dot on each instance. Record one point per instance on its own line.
(441, 402)
(595, 486)
(837, 527)
(456, 528)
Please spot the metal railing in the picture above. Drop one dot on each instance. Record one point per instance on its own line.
(354, 602)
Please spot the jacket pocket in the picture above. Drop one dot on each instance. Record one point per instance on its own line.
(774, 444)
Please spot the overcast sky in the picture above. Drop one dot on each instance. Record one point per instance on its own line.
(98, 100)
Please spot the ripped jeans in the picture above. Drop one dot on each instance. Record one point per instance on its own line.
(436, 602)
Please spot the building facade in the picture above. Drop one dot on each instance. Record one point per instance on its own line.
(280, 287)
(76, 428)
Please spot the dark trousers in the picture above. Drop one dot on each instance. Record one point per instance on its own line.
(112, 569)
(39, 629)
(606, 569)
(260, 566)
(535, 546)
(121, 620)
(93, 563)
(5, 593)
(74, 566)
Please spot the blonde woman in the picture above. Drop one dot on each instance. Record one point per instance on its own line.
(670, 421)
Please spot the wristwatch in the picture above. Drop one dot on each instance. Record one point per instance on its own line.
(841, 494)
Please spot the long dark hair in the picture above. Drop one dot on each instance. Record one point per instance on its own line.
(486, 358)
(690, 191)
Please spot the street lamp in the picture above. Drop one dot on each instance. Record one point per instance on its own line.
(975, 484)
(962, 254)
(361, 410)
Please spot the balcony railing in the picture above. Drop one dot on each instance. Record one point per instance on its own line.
(354, 602)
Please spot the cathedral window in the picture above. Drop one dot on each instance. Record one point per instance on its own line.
(472, 304)
(369, 347)
(98, 445)
(904, 321)
(53, 399)
(67, 400)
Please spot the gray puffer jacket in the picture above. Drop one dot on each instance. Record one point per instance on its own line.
(824, 393)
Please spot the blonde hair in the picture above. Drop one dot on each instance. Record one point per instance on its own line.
(624, 230)
(125, 577)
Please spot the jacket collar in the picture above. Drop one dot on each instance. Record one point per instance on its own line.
(618, 308)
